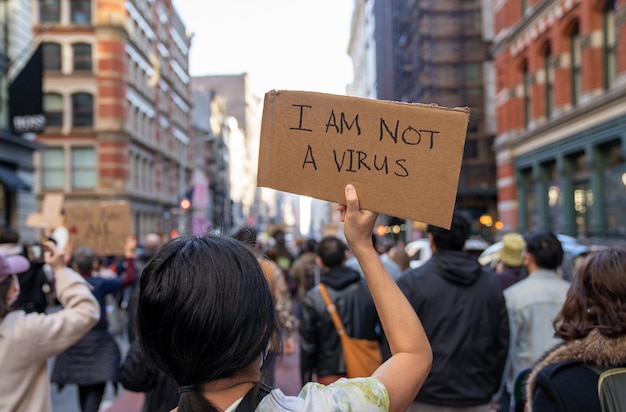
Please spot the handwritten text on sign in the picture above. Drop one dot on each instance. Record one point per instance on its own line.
(102, 226)
(353, 160)
(404, 159)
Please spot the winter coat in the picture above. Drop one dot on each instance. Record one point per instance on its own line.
(560, 381)
(28, 340)
(320, 345)
(95, 358)
(462, 309)
(137, 374)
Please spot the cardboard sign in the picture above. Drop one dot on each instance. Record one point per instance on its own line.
(404, 159)
(102, 226)
(50, 216)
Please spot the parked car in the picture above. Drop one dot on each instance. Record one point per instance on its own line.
(419, 252)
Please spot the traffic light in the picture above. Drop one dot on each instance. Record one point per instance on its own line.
(185, 204)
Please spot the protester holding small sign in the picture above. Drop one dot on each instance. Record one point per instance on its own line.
(94, 360)
(206, 317)
(28, 340)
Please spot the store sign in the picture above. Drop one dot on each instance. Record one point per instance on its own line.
(26, 97)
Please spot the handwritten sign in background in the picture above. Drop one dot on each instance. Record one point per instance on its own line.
(102, 226)
(404, 159)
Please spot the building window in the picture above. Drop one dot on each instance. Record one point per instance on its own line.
(82, 56)
(53, 108)
(576, 53)
(83, 168)
(82, 110)
(81, 11)
(527, 84)
(610, 45)
(49, 10)
(53, 168)
(549, 74)
(51, 56)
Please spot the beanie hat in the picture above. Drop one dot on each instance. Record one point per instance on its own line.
(510, 253)
(10, 265)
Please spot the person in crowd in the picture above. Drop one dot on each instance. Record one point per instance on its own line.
(206, 317)
(462, 308)
(392, 267)
(592, 327)
(94, 360)
(36, 291)
(279, 252)
(321, 354)
(28, 340)
(533, 304)
(398, 254)
(284, 307)
(304, 270)
(138, 374)
(510, 268)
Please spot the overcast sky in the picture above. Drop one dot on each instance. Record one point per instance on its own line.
(281, 44)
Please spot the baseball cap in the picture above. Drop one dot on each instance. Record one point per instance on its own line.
(10, 265)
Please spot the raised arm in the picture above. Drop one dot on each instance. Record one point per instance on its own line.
(405, 372)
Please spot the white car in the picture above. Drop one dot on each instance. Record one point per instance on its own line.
(419, 252)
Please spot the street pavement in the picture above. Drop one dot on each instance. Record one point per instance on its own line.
(287, 379)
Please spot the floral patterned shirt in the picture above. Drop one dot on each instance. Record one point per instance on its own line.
(357, 394)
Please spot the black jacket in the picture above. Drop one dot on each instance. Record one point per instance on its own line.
(137, 374)
(560, 381)
(320, 346)
(462, 309)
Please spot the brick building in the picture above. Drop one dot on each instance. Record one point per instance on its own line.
(117, 103)
(561, 111)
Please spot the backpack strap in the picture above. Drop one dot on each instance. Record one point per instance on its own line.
(254, 396)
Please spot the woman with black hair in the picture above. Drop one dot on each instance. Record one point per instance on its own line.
(206, 318)
(592, 324)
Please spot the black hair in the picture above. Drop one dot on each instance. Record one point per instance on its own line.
(247, 235)
(455, 237)
(545, 248)
(205, 312)
(5, 285)
(332, 251)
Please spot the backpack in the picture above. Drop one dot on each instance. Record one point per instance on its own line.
(611, 387)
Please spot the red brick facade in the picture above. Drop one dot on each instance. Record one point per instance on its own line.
(523, 41)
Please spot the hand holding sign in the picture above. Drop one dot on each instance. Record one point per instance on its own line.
(314, 144)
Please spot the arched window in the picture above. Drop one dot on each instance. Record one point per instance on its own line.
(49, 10)
(577, 64)
(53, 108)
(609, 31)
(549, 80)
(82, 56)
(82, 110)
(80, 11)
(51, 56)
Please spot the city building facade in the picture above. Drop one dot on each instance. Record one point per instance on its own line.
(561, 111)
(430, 51)
(118, 106)
(18, 53)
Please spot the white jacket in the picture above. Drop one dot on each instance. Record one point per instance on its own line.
(28, 340)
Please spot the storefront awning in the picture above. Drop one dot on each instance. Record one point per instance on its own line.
(11, 180)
